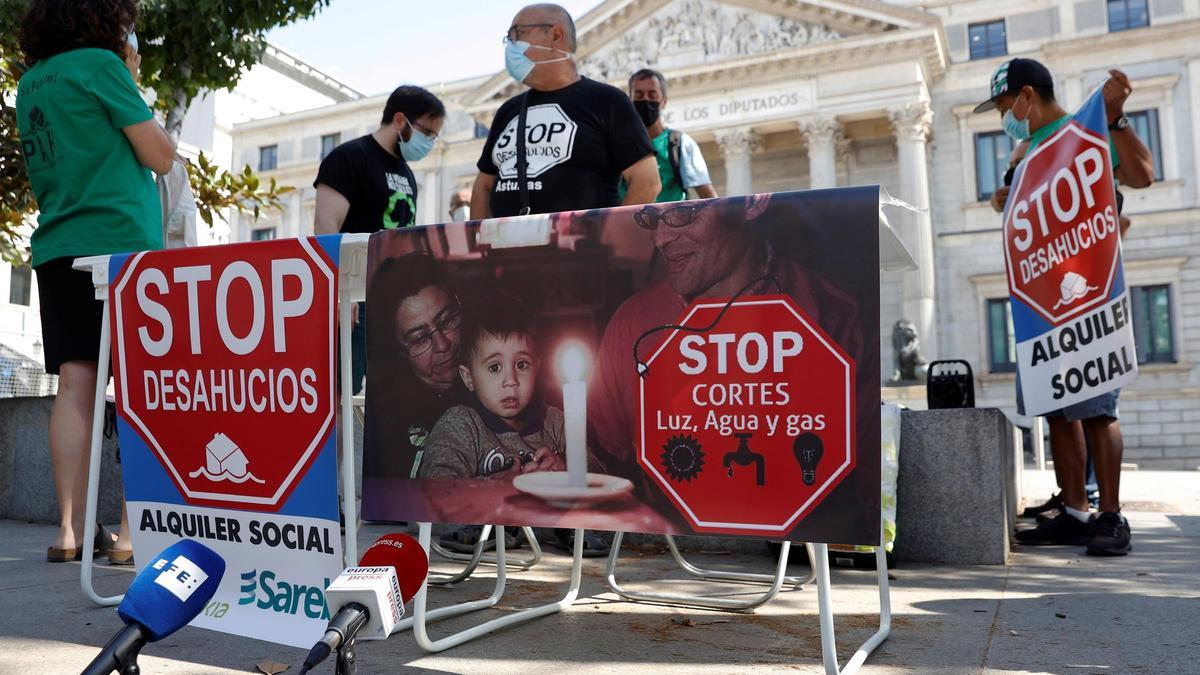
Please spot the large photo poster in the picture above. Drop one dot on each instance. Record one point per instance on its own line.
(693, 367)
(1072, 317)
(225, 380)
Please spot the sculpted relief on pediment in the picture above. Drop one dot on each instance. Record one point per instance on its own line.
(693, 32)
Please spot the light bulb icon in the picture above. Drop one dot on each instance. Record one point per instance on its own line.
(808, 449)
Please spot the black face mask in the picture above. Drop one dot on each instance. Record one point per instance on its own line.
(648, 111)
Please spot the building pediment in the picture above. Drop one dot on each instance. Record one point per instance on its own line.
(700, 32)
(676, 36)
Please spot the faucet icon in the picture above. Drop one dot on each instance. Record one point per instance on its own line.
(743, 456)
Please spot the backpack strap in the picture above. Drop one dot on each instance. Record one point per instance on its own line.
(674, 142)
(522, 158)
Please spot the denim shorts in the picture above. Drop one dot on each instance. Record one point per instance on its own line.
(1104, 405)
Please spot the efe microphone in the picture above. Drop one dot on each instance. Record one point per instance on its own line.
(164, 597)
(370, 597)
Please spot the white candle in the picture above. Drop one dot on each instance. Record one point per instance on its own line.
(575, 413)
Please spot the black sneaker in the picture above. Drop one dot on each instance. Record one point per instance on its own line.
(1063, 529)
(1111, 536)
(1055, 502)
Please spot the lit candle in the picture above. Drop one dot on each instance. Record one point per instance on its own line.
(573, 363)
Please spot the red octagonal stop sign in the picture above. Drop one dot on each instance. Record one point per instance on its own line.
(748, 425)
(1061, 229)
(224, 365)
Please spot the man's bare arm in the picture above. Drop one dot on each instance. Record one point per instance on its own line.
(481, 196)
(643, 181)
(330, 211)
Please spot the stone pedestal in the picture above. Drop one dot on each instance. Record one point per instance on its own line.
(958, 488)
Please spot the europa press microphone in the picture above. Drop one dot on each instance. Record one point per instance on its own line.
(163, 598)
(368, 600)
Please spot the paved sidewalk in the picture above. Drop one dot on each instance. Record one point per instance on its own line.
(1053, 610)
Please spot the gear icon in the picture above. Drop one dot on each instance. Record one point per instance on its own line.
(683, 458)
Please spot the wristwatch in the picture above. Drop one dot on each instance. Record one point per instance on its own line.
(1119, 124)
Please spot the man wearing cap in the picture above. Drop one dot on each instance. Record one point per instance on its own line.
(1022, 91)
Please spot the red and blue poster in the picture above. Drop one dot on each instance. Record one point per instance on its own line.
(223, 359)
(1071, 311)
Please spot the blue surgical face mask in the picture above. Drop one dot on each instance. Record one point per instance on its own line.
(518, 65)
(416, 147)
(1018, 130)
(131, 38)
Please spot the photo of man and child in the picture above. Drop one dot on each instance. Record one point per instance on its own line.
(466, 324)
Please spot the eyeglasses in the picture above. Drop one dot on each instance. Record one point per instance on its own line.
(433, 136)
(517, 29)
(649, 217)
(449, 319)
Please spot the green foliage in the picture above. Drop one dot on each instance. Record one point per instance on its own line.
(191, 45)
(217, 189)
(187, 46)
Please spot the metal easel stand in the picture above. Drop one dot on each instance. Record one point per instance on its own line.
(775, 580)
(98, 266)
(477, 556)
(352, 288)
(796, 582)
(824, 604)
(418, 622)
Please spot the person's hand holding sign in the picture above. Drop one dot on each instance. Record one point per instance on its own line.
(1116, 92)
(1134, 165)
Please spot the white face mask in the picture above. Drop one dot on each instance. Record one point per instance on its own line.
(461, 214)
(131, 38)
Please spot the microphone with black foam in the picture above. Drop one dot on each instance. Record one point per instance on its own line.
(368, 600)
(166, 595)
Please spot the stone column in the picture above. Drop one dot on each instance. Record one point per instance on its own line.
(912, 126)
(736, 147)
(824, 136)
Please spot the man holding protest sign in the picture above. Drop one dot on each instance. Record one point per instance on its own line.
(1071, 310)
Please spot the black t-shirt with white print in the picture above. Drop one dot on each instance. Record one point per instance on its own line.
(578, 140)
(380, 187)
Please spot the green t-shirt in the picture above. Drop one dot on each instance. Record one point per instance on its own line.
(93, 195)
(1036, 138)
(672, 185)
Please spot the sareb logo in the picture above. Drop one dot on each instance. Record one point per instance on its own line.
(267, 592)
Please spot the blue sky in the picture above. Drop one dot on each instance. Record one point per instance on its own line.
(375, 45)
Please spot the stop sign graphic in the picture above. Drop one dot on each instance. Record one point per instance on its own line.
(1061, 229)
(223, 359)
(748, 425)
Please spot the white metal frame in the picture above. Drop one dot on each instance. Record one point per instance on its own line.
(420, 619)
(776, 580)
(820, 565)
(477, 556)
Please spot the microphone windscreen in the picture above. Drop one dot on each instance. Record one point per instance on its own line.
(405, 554)
(173, 588)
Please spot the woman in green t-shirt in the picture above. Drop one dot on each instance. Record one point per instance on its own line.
(89, 142)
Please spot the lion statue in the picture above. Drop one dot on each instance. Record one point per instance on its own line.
(906, 354)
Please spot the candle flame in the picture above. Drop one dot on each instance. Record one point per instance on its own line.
(573, 361)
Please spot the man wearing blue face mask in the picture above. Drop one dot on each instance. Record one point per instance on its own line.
(365, 185)
(578, 137)
(1022, 90)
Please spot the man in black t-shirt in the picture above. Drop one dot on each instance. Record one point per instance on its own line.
(581, 136)
(365, 185)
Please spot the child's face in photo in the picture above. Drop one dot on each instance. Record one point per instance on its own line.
(502, 373)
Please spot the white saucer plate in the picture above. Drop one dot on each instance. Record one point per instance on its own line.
(553, 487)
